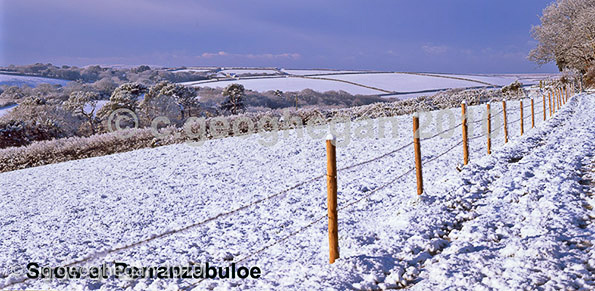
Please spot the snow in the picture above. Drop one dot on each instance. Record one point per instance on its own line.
(401, 82)
(290, 84)
(191, 71)
(407, 85)
(100, 103)
(251, 71)
(4, 110)
(515, 220)
(506, 79)
(315, 72)
(16, 80)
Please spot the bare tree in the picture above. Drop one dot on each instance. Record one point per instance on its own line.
(566, 35)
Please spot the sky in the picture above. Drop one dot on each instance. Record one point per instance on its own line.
(450, 36)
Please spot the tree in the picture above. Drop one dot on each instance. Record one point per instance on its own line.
(105, 86)
(12, 93)
(161, 95)
(156, 104)
(566, 35)
(125, 96)
(83, 104)
(235, 95)
(184, 96)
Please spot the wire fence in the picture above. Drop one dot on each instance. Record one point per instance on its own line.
(320, 218)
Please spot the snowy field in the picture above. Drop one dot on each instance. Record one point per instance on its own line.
(191, 70)
(4, 110)
(16, 80)
(314, 72)
(403, 85)
(518, 219)
(289, 84)
(399, 82)
(251, 71)
(505, 79)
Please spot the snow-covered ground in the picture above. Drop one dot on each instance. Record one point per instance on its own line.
(4, 110)
(191, 70)
(16, 80)
(290, 84)
(251, 71)
(400, 82)
(100, 103)
(505, 79)
(405, 85)
(314, 72)
(520, 218)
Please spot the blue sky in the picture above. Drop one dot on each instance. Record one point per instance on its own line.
(457, 36)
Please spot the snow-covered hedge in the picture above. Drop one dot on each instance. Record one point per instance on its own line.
(60, 150)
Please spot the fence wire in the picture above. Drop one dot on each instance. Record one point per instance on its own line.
(262, 200)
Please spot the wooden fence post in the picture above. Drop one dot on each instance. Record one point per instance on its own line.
(550, 98)
(559, 98)
(331, 185)
(567, 95)
(464, 123)
(543, 107)
(522, 120)
(417, 149)
(554, 99)
(532, 114)
(489, 134)
(505, 121)
(557, 101)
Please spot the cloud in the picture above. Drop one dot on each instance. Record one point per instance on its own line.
(210, 55)
(269, 56)
(434, 49)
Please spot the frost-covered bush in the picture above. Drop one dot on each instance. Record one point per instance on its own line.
(19, 133)
(59, 150)
(513, 89)
(13, 93)
(34, 120)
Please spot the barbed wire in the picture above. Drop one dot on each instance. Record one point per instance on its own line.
(370, 193)
(262, 200)
(376, 158)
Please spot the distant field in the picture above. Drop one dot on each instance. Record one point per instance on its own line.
(16, 80)
(251, 71)
(390, 84)
(6, 109)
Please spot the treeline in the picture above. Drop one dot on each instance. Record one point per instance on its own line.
(142, 74)
(83, 109)
(55, 151)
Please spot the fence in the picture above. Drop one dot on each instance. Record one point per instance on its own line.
(555, 98)
(562, 97)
